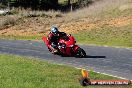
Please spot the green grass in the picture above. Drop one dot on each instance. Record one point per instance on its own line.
(62, 1)
(111, 36)
(23, 72)
(21, 37)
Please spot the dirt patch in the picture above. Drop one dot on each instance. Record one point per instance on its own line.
(74, 27)
(11, 32)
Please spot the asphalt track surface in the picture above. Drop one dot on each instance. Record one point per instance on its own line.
(113, 61)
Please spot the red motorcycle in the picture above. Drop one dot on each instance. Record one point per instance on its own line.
(66, 47)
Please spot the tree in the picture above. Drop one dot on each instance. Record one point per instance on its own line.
(33, 4)
(49, 4)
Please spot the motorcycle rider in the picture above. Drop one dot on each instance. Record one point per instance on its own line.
(53, 37)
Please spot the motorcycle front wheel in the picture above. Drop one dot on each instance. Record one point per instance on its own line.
(80, 53)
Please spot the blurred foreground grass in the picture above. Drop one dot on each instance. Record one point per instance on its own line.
(23, 72)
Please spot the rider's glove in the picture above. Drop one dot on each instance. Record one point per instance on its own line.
(54, 45)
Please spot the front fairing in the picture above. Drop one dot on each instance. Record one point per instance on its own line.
(69, 46)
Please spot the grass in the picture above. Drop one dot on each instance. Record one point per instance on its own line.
(111, 36)
(23, 72)
(63, 2)
(37, 37)
(114, 12)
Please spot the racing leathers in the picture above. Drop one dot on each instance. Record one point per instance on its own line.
(53, 40)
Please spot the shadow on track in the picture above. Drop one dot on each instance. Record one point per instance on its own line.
(88, 56)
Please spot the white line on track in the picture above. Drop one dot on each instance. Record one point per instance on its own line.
(107, 74)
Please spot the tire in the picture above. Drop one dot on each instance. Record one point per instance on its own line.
(80, 53)
(85, 81)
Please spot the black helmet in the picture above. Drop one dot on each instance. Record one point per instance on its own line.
(54, 31)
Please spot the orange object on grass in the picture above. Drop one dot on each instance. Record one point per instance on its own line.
(84, 73)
